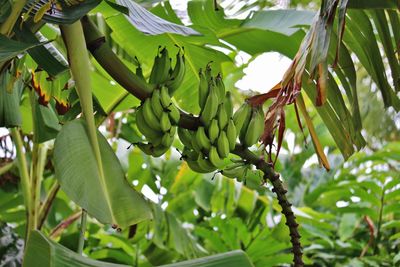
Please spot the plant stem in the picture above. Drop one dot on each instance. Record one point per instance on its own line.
(82, 231)
(25, 180)
(378, 231)
(45, 208)
(5, 168)
(8, 25)
(118, 71)
(39, 154)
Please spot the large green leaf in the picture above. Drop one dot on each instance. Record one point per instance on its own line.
(109, 198)
(235, 258)
(10, 48)
(149, 23)
(41, 251)
(48, 57)
(68, 14)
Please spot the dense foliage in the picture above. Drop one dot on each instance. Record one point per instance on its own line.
(333, 119)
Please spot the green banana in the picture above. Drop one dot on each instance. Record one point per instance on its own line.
(159, 74)
(214, 157)
(228, 104)
(150, 149)
(186, 137)
(155, 69)
(210, 108)
(189, 154)
(213, 130)
(223, 145)
(205, 163)
(242, 116)
(195, 166)
(149, 116)
(202, 139)
(220, 87)
(203, 89)
(177, 74)
(238, 172)
(196, 146)
(167, 139)
(222, 116)
(255, 127)
(156, 104)
(144, 128)
(174, 114)
(165, 98)
(165, 123)
(231, 134)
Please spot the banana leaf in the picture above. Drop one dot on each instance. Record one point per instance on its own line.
(101, 190)
(70, 11)
(42, 252)
(10, 48)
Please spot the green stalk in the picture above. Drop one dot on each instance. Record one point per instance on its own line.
(82, 231)
(8, 25)
(25, 180)
(6, 168)
(45, 208)
(80, 68)
(38, 162)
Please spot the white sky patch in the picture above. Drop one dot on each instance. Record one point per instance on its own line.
(264, 72)
(147, 192)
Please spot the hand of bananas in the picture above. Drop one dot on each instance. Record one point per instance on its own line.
(157, 116)
(207, 148)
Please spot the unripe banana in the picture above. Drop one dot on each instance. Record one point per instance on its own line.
(238, 172)
(165, 123)
(210, 108)
(223, 145)
(195, 166)
(220, 87)
(150, 149)
(174, 114)
(196, 146)
(186, 137)
(203, 89)
(205, 163)
(156, 69)
(144, 128)
(160, 71)
(222, 116)
(242, 116)
(156, 104)
(177, 75)
(231, 134)
(189, 154)
(167, 139)
(228, 104)
(165, 98)
(214, 157)
(255, 127)
(202, 139)
(149, 116)
(213, 131)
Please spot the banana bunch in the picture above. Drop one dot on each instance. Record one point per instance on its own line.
(249, 122)
(156, 119)
(162, 73)
(206, 149)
